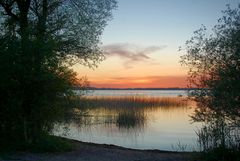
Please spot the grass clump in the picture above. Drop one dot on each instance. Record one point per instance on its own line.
(219, 141)
(221, 154)
(130, 119)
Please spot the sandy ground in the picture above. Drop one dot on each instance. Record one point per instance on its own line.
(100, 152)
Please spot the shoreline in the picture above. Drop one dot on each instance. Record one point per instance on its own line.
(86, 151)
(112, 146)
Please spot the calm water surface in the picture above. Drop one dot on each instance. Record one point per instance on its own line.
(148, 93)
(163, 127)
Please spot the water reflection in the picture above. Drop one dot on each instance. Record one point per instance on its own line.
(135, 127)
(131, 119)
(123, 118)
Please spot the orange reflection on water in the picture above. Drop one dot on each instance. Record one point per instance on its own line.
(146, 127)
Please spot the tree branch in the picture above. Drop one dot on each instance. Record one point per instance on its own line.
(8, 9)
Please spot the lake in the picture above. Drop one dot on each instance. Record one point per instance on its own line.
(147, 93)
(163, 128)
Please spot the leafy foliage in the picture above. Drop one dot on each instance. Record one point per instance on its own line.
(214, 69)
(39, 41)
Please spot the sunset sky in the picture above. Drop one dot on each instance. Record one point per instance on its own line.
(142, 40)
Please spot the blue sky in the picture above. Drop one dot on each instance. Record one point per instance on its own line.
(168, 22)
(143, 38)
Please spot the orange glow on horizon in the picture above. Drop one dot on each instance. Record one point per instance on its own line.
(144, 67)
(140, 82)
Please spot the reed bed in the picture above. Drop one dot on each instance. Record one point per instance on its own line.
(132, 101)
(131, 119)
(127, 112)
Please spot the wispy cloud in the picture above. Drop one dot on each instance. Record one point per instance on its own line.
(131, 53)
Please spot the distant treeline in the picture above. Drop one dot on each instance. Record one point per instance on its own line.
(174, 88)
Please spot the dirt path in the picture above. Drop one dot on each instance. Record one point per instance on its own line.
(99, 152)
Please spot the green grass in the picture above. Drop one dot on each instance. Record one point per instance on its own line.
(52, 144)
(46, 143)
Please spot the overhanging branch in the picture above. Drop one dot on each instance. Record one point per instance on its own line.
(8, 9)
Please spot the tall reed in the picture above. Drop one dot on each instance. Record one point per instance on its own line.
(127, 112)
(132, 101)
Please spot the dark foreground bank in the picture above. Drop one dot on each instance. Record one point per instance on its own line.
(98, 152)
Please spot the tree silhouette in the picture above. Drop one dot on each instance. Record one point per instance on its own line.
(214, 68)
(39, 41)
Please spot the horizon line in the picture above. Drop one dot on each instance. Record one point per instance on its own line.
(138, 88)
